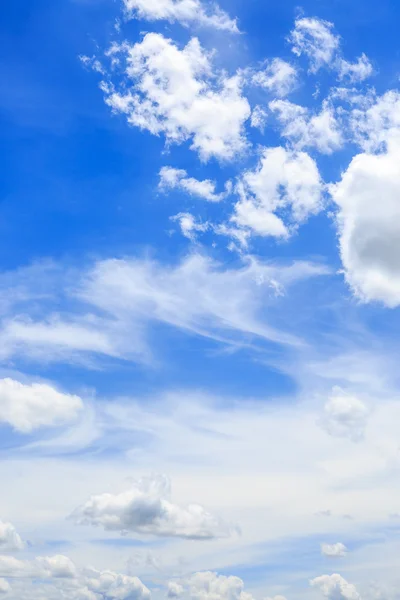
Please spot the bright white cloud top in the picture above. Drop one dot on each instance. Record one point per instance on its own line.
(147, 509)
(186, 12)
(27, 407)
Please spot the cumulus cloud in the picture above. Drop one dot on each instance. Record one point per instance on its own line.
(283, 181)
(354, 72)
(375, 121)
(369, 224)
(61, 577)
(345, 416)
(335, 587)
(321, 131)
(171, 179)
(175, 92)
(175, 589)
(147, 509)
(187, 12)
(338, 550)
(5, 587)
(10, 540)
(27, 407)
(316, 39)
(211, 586)
(278, 77)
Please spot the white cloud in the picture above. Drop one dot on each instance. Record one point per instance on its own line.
(10, 540)
(147, 509)
(187, 12)
(283, 180)
(315, 38)
(175, 589)
(354, 72)
(335, 587)
(45, 567)
(345, 416)
(258, 118)
(369, 224)
(278, 77)
(27, 407)
(115, 301)
(321, 131)
(211, 586)
(4, 586)
(338, 550)
(171, 179)
(175, 92)
(189, 226)
(63, 578)
(376, 120)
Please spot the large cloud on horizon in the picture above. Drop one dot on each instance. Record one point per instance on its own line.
(147, 509)
(368, 200)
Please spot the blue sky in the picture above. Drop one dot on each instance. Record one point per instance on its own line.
(199, 300)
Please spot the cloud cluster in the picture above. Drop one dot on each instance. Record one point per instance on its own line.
(187, 12)
(27, 407)
(208, 585)
(316, 39)
(284, 182)
(59, 577)
(147, 509)
(335, 587)
(10, 540)
(303, 129)
(172, 179)
(174, 92)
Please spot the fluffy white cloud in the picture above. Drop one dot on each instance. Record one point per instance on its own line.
(376, 120)
(278, 77)
(62, 578)
(174, 92)
(354, 72)
(345, 416)
(186, 12)
(147, 509)
(45, 567)
(171, 179)
(175, 589)
(10, 540)
(335, 587)
(189, 226)
(315, 38)
(27, 407)
(338, 550)
(321, 131)
(369, 224)
(4, 586)
(258, 118)
(211, 586)
(283, 180)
